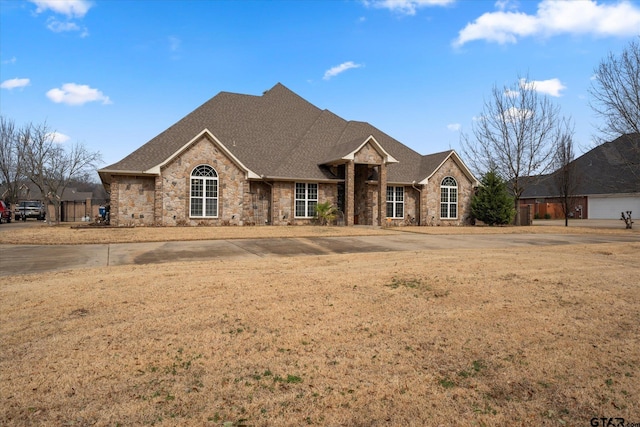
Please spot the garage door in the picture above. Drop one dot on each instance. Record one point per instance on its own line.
(610, 207)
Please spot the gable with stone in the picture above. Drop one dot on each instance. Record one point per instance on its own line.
(270, 159)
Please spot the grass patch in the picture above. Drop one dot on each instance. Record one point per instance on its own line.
(321, 340)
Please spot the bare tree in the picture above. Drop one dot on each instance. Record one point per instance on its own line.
(515, 136)
(615, 92)
(11, 171)
(50, 166)
(566, 177)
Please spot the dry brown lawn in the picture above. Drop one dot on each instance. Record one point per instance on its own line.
(540, 336)
(43, 234)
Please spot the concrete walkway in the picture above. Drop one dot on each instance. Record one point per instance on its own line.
(24, 259)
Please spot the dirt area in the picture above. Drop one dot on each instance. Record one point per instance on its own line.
(531, 336)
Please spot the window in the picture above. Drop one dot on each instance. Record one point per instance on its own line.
(395, 202)
(204, 192)
(306, 200)
(449, 198)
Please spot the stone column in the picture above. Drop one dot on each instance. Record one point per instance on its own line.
(247, 211)
(382, 194)
(349, 194)
(114, 214)
(423, 219)
(158, 202)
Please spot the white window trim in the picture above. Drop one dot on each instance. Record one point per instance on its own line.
(203, 198)
(395, 202)
(448, 202)
(306, 199)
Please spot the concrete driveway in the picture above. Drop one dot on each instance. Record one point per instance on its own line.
(23, 259)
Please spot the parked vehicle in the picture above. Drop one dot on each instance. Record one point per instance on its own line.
(30, 209)
(5, 212)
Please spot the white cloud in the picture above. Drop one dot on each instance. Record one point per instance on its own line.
(505, 4)
(69, 8)
(549, 87)
(11, 61)
(58, 138)
(454, 127)
(332, 72)
(514, 114)
(511, 93)
(407, 7)
(60, 27)
(74, 94)
(15, 83)
(554, 17)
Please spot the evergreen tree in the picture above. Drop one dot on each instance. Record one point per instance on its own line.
(492, 203)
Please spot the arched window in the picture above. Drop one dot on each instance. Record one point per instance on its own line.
(204, 192)
(449, 198)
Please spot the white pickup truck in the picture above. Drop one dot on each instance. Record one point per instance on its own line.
(30, 209)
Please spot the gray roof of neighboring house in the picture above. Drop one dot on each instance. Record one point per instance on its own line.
(610, 168)
(278, 135)
(30, 191)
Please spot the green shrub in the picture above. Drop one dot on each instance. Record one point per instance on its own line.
(326, 213)
(492, 203)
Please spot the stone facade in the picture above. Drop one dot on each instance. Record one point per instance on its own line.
(132, 201)
(368, 155)
(164, 199)
(176, 181)
(367, 204)
(363, 203)
(283, 205)
(465, 193)
(411, 208)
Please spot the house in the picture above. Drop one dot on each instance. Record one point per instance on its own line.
(270, 159)
(607, 182)
(75, 205)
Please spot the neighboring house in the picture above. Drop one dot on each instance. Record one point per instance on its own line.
(74, 205)
(607, 183)
(270, 159)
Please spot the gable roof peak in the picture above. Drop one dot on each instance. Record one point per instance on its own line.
(280, 90)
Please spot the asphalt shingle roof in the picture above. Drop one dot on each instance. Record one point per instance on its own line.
(610, 168)
(278, 134)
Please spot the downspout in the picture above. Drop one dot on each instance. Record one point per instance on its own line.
(413, 184)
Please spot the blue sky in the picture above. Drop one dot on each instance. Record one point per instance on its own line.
(112, 74)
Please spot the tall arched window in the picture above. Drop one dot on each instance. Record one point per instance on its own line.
(204, 192)
(449, 198)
